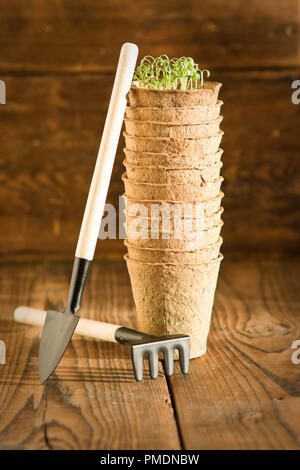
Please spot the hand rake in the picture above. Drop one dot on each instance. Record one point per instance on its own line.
(141, 344)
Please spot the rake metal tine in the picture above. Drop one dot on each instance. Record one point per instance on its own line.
(184, 358)
(153, 364)
(137, 362)
(168, 361)
(142, 343)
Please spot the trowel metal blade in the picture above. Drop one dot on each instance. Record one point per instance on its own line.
(57, 332)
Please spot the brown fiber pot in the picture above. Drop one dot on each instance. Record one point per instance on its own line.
(187, 147)
(183, 241)
(173, 192)
(134, 206)
(168, 129)
(156, 175)
(166, 222)
(166, 160)
(175, 299)
(177, 115)
(150, 255)
(207, 95)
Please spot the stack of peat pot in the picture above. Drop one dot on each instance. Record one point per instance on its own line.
(173, 208)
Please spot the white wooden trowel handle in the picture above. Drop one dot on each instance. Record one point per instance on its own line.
(85, 327)
(99, 186)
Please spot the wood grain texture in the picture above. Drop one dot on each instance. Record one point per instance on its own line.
(81, 35)
(245, 392)
(92, 401)
(51, 128)
(22, 406)
(58, 60)
(261, 164)
(47, 163)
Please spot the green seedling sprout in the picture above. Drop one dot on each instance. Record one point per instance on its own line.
(162, 73)
(202, 75)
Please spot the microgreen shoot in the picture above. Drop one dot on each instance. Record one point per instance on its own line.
(162, 73)
(202, 75)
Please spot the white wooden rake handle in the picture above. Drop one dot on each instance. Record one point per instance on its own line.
(111, 133)
(85, 327)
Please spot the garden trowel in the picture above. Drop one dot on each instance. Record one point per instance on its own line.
(59, 326)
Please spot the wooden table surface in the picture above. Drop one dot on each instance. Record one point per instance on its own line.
(243, 394)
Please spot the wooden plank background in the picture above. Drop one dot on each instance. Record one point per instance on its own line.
(58, 60)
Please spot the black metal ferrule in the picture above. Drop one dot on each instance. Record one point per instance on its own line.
(79, 274)
(127, 336)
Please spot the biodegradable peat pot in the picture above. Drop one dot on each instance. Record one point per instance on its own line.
(173, 192)
(171, 219)
(177, 115)
(157, 175)
(150, 255)
(175, 299)
(168, 129)
(166, 160)
(207, 95)
(185, 241)
(187, 147)
(133, 206)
